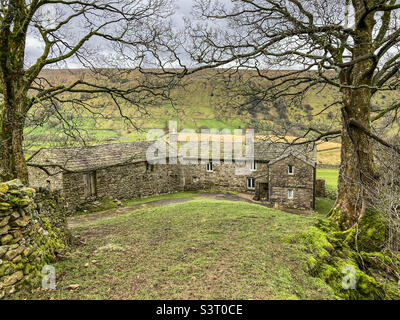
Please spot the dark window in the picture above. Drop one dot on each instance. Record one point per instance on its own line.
(209, 167)
(149, 167)
(290, 169)
(90, 184)
(251, 183)
(253, 166)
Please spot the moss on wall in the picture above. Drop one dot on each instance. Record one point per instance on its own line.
(33, 232)
(333, 255)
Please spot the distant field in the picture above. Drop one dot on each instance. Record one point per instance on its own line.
(327, 146)
(331, 157)
(331, 177)
(201, 102)
(328, 153)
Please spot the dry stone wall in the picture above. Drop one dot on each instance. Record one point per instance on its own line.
(40, 179)
(138, 180)
(32, 232)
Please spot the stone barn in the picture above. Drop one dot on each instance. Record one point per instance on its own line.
(119, 171)
(281, 174)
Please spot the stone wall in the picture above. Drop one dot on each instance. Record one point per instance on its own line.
(38, 178)
(124, 182)
(320, 190)
(223, 176)
(32, 232)
(302, 198)
(301, 182)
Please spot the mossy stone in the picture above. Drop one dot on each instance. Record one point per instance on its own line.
(19, 202)
(14, 184)
(4, 230)
(369, 234)
(4, 206)
(6, 239)
(328, 251)
(339, 218)
(30, 192)
(3, 188)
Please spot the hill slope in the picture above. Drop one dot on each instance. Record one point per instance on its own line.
(205, 100)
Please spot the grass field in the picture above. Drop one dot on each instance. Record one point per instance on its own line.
(201, 249)
(323, 206)
(331, 177)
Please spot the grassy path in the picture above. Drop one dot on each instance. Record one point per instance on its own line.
(197, 249)
(156, 201)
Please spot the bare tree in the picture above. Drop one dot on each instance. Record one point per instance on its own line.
(294, 46)
(385, 193)
(109, 38)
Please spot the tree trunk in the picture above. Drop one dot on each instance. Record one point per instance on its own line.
(12, 160)
(15, 102)
(357, 174)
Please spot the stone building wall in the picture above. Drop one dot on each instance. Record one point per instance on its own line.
(74, 189)
(136, 180)
(124, 182)
(38, 178)
(301, 182)
(32, 231)
(223, 176)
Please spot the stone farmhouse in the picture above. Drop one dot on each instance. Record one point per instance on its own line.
(280, 174)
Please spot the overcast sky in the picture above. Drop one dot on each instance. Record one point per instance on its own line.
(34, 47)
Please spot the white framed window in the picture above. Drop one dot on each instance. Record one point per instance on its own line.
(253, 166)
(195, 179)
(290, 194)
(251, 183)
(209, 167)
(290, 169)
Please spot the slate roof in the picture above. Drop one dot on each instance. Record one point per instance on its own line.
(106, 155)
(270, 151)
(263, 151)
(296, 154)
(92, 157)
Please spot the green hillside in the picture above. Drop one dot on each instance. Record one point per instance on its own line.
(202, 101)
